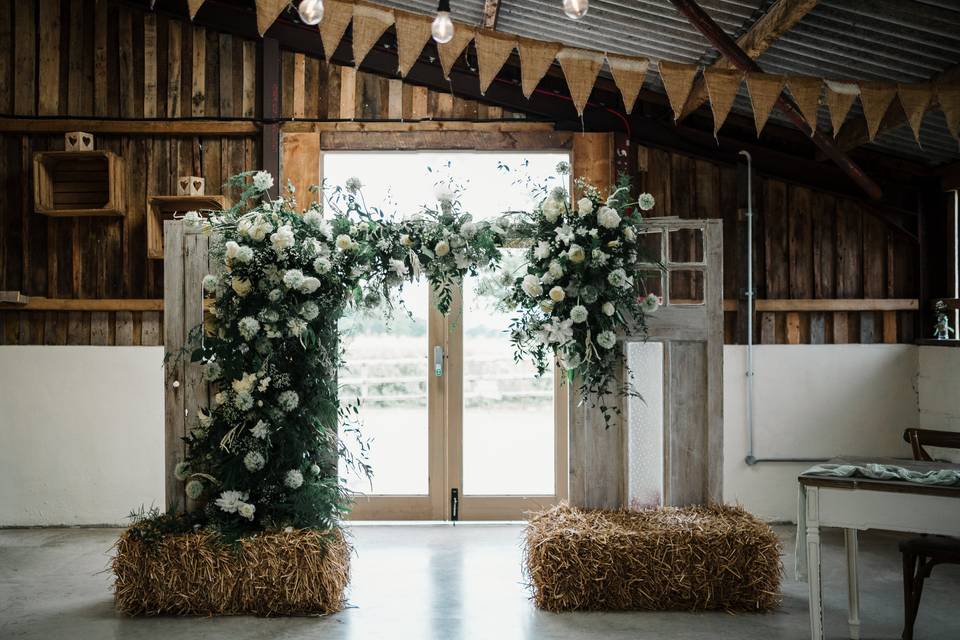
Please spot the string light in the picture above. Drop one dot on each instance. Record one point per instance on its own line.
(576, 9)
(311, 11)
(442, 27)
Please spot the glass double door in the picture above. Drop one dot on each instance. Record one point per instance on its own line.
(454, 427)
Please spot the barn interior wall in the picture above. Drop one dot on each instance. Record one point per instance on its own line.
(58, 60)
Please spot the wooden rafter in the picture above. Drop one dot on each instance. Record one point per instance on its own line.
(780, 18)
(854, 132)
(728, 47)
(491, 12)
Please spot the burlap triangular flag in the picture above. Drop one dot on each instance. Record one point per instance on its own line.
(450, 51)
(194, 6)
(840, 97)
(492, 52)
(806, 93)
(915, 98)
(267, 13)
(875, 98)
(536, 57)
(580, 68)
(949, 98)
(628, 73)
(677, 80)
(336, 17)
(764, 90)
(722, 87)
(413, 31)
(369, 23)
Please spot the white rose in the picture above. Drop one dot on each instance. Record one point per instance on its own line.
(241, 286)
(282, 239)
(585, 206)
(442, 248)
(608, 217)
(309, 285)
(608, 308)
(557, 294)
(576, 253)
(343, 242)
(531, 285)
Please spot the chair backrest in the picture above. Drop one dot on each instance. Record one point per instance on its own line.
(918, 438)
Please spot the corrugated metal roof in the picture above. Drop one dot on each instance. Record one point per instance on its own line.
(894, 40)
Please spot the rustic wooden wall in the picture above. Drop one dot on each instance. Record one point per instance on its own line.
(108, 59)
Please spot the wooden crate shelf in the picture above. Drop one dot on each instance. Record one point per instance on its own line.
(162, 208)
(78, 183)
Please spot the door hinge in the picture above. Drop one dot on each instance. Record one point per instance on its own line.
(454, 504)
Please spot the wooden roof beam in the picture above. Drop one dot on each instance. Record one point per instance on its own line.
(491, 13)
(726, 45)
(854, 132)
(780, 18)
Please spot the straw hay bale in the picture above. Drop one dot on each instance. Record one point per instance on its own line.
(277, 573)
(690, 558)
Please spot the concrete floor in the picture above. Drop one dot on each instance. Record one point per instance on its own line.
(446, 583)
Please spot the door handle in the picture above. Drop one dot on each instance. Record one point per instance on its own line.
(438, 361)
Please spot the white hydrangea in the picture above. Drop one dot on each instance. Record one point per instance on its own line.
(248, 327)
(283, 239)
(293, 479)
(646, 201)
(254, 461)
(608, 308)
(557, 294)
(576, 253)
(262, 180)
(584, 206)
(309, 310)
(182, 471)
(606, 339)
(260, 430)
(293, 278)
(531, 286)
(579, 314)
(288, 400)
(230, 501)
(608, 217)
(442, 248)
(246, 510)
(322, 265)
(210, 283)
(309, 285)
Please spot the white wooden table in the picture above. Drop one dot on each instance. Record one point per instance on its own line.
(855, 504)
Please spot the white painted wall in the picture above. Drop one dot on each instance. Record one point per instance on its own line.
(938, 382)
(81, 433)
(812, 401)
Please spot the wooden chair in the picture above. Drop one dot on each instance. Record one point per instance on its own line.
(922, 553)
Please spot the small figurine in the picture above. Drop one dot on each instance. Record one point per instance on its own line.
(942, 330)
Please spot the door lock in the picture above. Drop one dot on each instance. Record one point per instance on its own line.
(438, 361)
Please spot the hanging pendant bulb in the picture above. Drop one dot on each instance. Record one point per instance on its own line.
(575, 9)
(311, 11)
(442, 27)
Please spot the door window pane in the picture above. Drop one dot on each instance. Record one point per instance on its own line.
(386, 368)
(508, 414)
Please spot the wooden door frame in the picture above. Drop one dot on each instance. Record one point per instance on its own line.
(301, 163)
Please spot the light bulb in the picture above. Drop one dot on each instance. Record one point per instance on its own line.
(575, 9)
(311, 11)
(442, 27)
